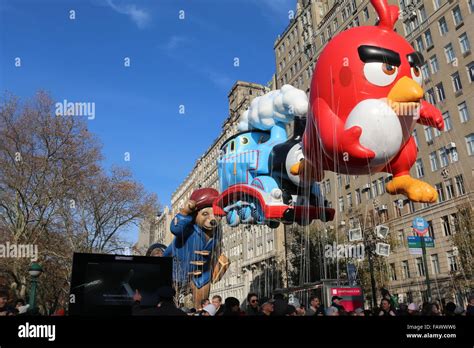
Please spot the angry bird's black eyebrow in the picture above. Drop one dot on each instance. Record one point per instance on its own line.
(370, 54)
(415, 59)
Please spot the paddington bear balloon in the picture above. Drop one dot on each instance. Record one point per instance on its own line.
(365, 100)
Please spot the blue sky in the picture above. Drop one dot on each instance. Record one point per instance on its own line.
(173, 62)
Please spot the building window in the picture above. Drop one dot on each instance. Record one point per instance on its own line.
(349, 200)
(428, 38)
(356, 21)
(393, 272)
(443, 157)
(446, 226)
(470, 144)
(447, 121)
(431, 229)
(401, 238)
(366, 14)
(452, 261)
(405, 269)
(328, 186)
(420, 170)
(374, 188)
(434, 161)
(341, 204)
(430, 96)
(457, 15)
(463, 112)
(420, 44)
(420, 267)
(453, 155)
(441, 93)
(449, 188)
(457, 85)
(398, 205)
(470, 3)
(436, 4)
(425, 71)
(381, 182)
(440, 190)
(460, 185)
(443, 26)
(422, 12)
(435, 264)
(470, 71)
(434, 64)
(464, 43)
(449, 52)
(428, 134)
(358, 196)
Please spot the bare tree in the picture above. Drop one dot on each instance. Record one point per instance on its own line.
(54, 194)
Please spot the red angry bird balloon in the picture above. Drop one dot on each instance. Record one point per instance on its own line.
(365, 100)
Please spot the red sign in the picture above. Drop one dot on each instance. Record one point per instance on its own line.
(351, 297)
(346, 292)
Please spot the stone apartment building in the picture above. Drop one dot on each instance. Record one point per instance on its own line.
(442, 31)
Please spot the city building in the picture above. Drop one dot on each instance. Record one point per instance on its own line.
(442, 31)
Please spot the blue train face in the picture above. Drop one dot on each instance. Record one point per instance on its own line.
(242, 158)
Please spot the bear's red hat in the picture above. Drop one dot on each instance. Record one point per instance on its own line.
(204, 197)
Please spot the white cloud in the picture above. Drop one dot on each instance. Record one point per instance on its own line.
(281, 105)
(139, 16)
(173, 42)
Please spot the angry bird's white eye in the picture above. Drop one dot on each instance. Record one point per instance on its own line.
(299, 155)
(416, 75)
(380, 74)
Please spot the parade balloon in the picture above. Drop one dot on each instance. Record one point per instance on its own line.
(365, 99)
(256, 166)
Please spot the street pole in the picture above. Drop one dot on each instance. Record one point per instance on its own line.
(372, 279)
(32, 300)
(425, 264)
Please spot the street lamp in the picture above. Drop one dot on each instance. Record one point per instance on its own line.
(34, 271)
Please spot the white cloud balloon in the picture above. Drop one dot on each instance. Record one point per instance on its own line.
(281, 105)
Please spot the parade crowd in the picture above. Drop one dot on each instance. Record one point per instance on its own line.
(279, 306)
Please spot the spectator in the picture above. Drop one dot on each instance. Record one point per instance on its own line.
(470, 307)
(252, 304)
(232, 307)
(427, 309)
(301, 311)
(267, 308)
(435, 310)
(402, 310)
(336, 302)
(156, 250)
(359, 312)
(209, 311)
(204, 303)
(459, 311)
(386, 308)
(290, 311)
(279, 304)
(449, 309)
(166, 307)
(217, 302)
(5, 308)
(412, 309)
(315, 307)
(332, 311)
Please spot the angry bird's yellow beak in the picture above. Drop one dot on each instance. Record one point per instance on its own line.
(297, 168)
(406, 90)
